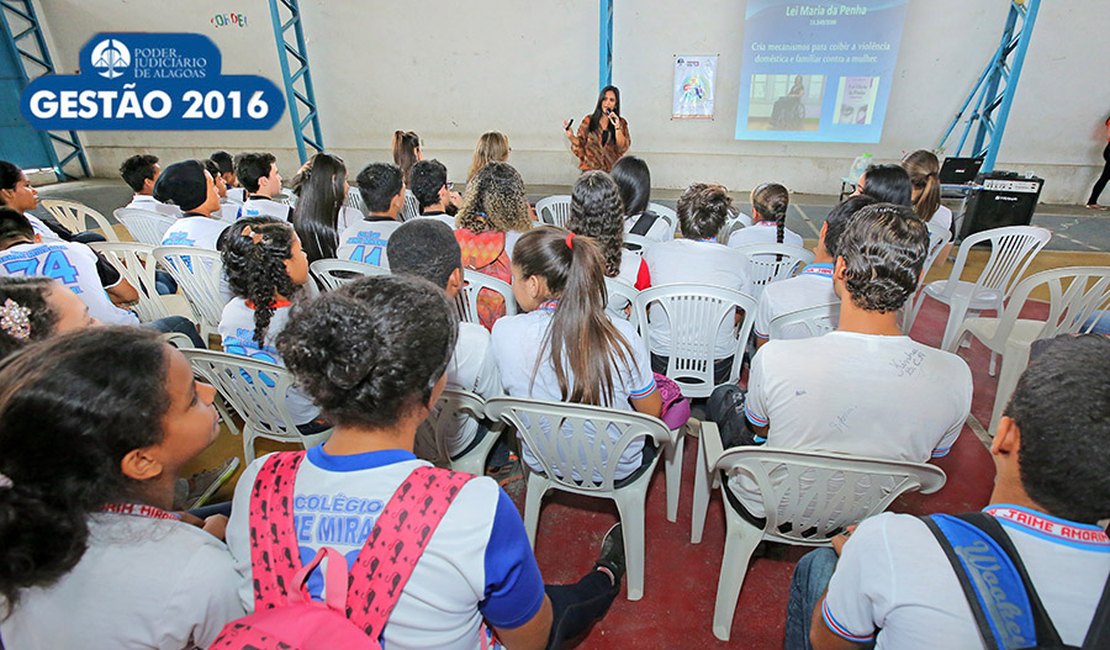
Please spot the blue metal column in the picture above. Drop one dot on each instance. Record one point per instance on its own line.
(306, 130)
(24, 35)
(605, 66)
(993, 95)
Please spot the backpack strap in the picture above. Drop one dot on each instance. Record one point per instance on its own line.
(396, 543)
(1098, 634)
(274, 555)
(644, 223)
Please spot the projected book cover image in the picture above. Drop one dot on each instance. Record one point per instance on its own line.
(786, 102)
(855, 100)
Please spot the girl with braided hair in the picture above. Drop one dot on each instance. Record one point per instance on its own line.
(769, 204)
(595, 211)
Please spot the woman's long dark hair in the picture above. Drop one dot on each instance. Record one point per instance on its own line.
(888, 184)
(582, 342)
(595, 211)
(405, 144)
(321, 193)
(633, 178)
(595, 118)
(254, 250)
(70, 409)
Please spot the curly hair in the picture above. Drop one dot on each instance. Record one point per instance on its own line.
(372, 350)
(254, 251)
(702, 210)
(596, 211)
(27, 293)
(495, 200)
(70, 409)
(884, 248)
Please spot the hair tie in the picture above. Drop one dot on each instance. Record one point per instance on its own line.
(570, 240)
(15, 320)
(5, 482)
(254, 236)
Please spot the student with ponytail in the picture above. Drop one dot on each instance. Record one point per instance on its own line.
(924, 171)
(769, 204)
(565, 348)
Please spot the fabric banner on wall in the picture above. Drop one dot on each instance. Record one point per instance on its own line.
(818, 71)
(695, 82)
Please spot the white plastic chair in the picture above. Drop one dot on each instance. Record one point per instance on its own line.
(466, 302)
(183, 342)
(197, 272)
(667, 214)
(577, 451)
(554, 210)
(136, 263)
(938, 239)
(76, 217)
(1075, 294)
(770, 262)
(411, 208)
(808, 498)
(1012, 249)
(257, 391)
(695, 314)
(354, 200)
(637, 243)
(145, 226)
(443, 423)
(805, 323)
(621, 298)
(331, 274)
(733, 222)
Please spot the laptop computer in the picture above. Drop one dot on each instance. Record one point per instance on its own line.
(958, 171)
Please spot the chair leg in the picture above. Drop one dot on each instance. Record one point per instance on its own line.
(630, 505)
(993, 367)
(249, 436)
(740, 543)
(533, 499)
(957, 313)
(702, 488)
(673, 467)
(1014, 361)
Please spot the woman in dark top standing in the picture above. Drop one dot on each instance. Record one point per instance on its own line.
(603, 135)
(1100, 184)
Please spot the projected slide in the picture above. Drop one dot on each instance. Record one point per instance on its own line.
(817, 71)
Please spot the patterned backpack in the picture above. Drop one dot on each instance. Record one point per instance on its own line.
(355, 606)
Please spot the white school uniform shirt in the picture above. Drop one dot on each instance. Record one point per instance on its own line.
(237, 337)
(893, 575)
(942, 218)
(261, 206)
(660, 230)
(365, 241)
(147, 202)
(237, 194)
(518, 342)
(142, 583)
(229, 211)
(472, 368)
(348, 215)
(702, 262)
(439, 216)
(812, 287)
(859, 394)
(74, 265)
(195, 230)
(477, 564)
(763, 232)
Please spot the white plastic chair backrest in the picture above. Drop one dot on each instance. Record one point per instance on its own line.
(810, 497)
(354, 200)
(1012, 250)
(197, 272)
(576, 458)
(695, 313)
(411, 209)
(331, 273)
(255, 389)
(554, 210)
(669, 215)
(805, 323)
(178, 340)
(136, 263)
(733, 222)
(145, 226)
(636, 243)
(75, 217)
(938, 238)
(466, 302)
(443, 423)
(770, 262)
(621, 297)
(1075, 294)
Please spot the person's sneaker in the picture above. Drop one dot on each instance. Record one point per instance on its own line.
(612, 553)
(510, 472)
(203, 485)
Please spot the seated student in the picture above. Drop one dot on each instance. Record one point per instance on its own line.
(633, 177)
(595, 211)
(140, 172)
(886, 184)
(407, 151)
(565, 349)
(373, 355)
(769, 204)
(697, 257)
(258, 174)
(428, 250)
(226, 165)
(383, 192)
(865, 389)
(1050, 452)
(433, 192)
(24, 253)
(266, 268)
(492, 146)
(321, 189)
(37, 308)
(229, 210)
(189, 186)
(814, 286)
(17, 193)
(95, 428)
(923, 168)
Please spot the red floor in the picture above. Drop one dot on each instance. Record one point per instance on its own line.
(681, 578)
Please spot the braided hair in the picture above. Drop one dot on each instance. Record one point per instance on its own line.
(770, 201)
(254, 251)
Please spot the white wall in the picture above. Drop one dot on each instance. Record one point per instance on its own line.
(451, 70)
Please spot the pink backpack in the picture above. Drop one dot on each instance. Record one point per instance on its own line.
(355, 606)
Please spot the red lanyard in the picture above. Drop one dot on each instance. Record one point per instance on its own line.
(139, 510)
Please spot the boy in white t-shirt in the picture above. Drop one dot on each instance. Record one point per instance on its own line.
(140, 172)
(428, 249)
(433, 192)
(383, 191)
(893, 583)
(258, 174)
(189, 186)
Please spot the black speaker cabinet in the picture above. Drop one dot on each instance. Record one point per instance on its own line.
(1005, 199)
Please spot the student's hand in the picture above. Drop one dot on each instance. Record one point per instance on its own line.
(454, 198)
(840, 540)
(216, 525)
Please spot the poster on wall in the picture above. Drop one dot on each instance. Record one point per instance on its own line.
(695, 82)
(817, 71)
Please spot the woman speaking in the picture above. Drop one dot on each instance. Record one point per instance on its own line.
(603, 135)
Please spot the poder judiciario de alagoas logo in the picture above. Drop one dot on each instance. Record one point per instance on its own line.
(164, 82)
